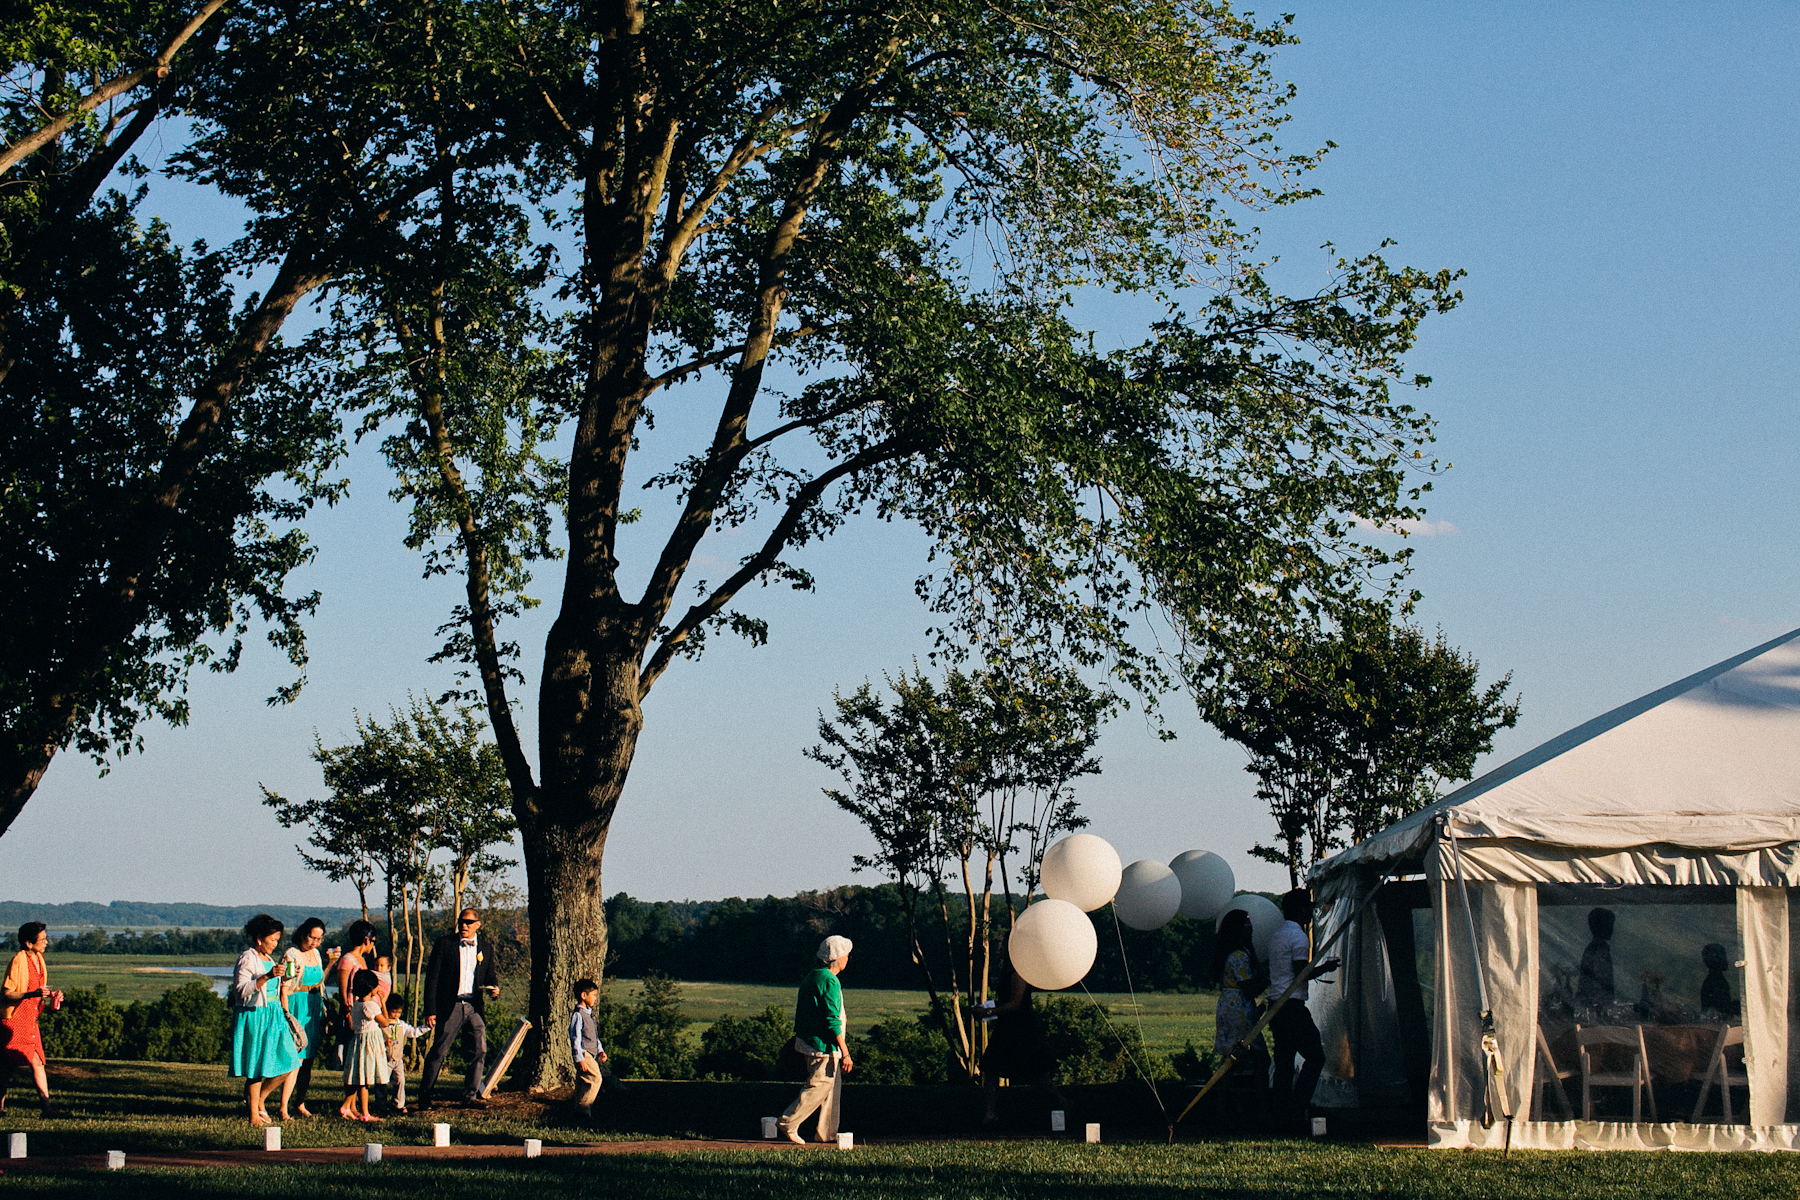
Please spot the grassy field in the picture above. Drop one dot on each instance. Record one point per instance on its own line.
(1168, 1020)
(141, 1107)
(129, 977)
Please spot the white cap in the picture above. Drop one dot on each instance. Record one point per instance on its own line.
(834, 947)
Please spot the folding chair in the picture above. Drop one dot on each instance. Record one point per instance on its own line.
(1718, 1069)
(1548, 1074)
(1628, 1037)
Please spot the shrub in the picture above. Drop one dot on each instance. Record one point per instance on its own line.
(647, 1040)
(745, 1047)
(189, 1024)
(902, 1050)
(1090, 1048)
(88, 1026)
(1194, 1065)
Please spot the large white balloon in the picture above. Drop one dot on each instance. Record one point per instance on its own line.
(1206, 883)
(1082, 869)
(1052, 945)
(1265, 919)
(1149, 895)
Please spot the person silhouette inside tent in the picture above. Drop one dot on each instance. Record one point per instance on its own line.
(1715, 989)
(1595, 988)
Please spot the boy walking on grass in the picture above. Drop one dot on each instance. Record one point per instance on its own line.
(584, 1041)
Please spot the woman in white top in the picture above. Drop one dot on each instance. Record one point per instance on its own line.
(263, 1052)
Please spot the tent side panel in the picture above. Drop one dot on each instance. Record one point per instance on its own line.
(1763, 926)
(1612, 1135)
(1456, 1025)
(1509, 930)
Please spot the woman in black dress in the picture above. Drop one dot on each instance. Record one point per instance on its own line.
(1015, 1041)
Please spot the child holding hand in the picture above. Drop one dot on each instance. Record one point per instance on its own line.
(396, 1035)
(366, 1058)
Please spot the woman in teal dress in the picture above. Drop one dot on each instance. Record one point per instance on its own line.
(305, 993)
(262, 1045)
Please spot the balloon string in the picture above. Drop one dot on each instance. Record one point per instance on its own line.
(1123, 1044)
(1137, 1010)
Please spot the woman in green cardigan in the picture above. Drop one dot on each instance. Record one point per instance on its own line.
(819, 1038)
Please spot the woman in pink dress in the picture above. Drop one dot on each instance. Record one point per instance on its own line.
(358, 954)
(25, 994)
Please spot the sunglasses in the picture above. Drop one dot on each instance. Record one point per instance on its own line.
(467, 921)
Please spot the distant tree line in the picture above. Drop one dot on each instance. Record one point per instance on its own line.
(165, 941)
(774, 939)
(151, 914)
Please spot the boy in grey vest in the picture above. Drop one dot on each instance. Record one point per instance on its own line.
(584, 1042)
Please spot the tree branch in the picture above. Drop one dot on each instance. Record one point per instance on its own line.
(158, 68)
(729, 444)
(764, 558)
(718, 356)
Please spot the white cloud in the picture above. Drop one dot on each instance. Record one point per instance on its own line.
(1409, 528)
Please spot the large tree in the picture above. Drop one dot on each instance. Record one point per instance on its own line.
(861, 238)
(151, 474)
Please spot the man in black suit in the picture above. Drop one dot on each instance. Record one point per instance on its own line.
(459, 981)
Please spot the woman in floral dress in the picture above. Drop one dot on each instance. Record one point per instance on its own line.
(1241, 980)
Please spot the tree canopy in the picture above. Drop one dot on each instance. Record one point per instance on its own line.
(843, 254)
(1349, 731)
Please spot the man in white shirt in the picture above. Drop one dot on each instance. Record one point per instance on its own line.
(459, 981)
(1290, 954)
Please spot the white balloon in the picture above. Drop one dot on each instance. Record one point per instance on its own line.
(1265, 919)
(1206, 883)
(1052, 945)
(1082, 869)
(1149, 895)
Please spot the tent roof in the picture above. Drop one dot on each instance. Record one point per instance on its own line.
(1711, 762)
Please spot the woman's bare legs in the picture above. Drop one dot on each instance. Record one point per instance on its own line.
(43, 1081)
(255, 1093)
(287, 1090)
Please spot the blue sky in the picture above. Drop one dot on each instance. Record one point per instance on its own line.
(1615, 393)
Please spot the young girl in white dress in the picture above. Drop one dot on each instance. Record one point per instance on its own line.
(366, 1057)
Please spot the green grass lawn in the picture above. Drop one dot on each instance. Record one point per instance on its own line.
(129, 977)
(969, 1171)
(143, 1107)
(1168, 1019)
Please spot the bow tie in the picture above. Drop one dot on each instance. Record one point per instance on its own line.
(467, 942)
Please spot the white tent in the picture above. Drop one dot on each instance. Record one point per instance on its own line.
(1628, 905)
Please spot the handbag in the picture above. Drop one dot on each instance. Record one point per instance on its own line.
(295, 1028)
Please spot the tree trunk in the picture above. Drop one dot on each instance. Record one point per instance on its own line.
(588, 731)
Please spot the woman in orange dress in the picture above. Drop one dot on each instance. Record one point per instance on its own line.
(25, 992)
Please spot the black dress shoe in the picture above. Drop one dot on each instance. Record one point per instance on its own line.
(423, 1106)
(474, 1102)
